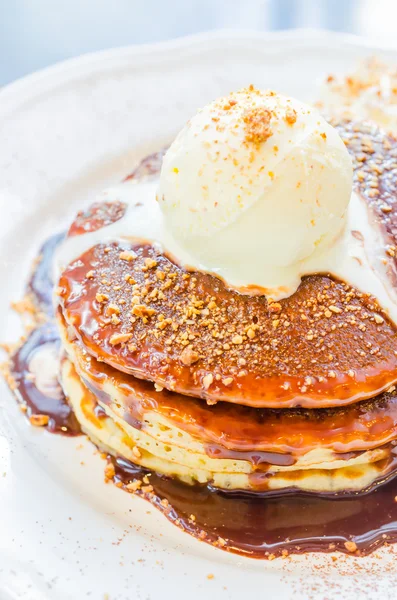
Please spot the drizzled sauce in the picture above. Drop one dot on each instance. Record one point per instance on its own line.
(40, 285)
(37, 382)
(261, 436)
(35, 365)
(273, 525)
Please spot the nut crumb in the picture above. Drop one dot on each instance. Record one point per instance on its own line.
(188, 356)
(142, 311)
(335, 309)
(350, 546)
(127, 255)
(150, 263)
(257, 125)
(147, 489)
(133, 486)
(290, 116)
(112, 309)
(119, 338)
(39, 420)
(101, 297)
(109, 472)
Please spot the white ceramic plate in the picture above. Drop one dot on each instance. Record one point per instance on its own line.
(65, 133)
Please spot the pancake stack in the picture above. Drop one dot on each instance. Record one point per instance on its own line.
(173, 371)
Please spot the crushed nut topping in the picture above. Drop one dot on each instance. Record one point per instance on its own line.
(350, 546)
(39, 420)
(128, 256)
(257, 125)
(189, 356)
(290, 116)
(120, 338)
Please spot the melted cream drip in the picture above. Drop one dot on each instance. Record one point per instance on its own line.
(357, 257)
(44, 370)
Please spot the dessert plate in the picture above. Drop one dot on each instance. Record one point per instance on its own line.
(66, 133)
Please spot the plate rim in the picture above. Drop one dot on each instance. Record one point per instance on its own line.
(302, 37)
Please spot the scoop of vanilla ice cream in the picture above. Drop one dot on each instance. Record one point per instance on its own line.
(253, 185)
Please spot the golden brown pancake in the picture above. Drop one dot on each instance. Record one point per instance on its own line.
(157, 444)
(274, 436)
(326, 345)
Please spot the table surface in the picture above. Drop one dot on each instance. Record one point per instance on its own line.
(37, 33)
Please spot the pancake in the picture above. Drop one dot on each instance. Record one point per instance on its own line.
(326, 345)
(228, 446)
(280, 435)
(178, 458)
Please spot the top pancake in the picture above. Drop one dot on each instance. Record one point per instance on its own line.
(326, 345)
(277, 436)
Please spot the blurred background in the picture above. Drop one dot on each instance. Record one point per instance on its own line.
(37, 33)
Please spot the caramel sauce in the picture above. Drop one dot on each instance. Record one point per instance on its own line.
(272, 436)
(314, 362)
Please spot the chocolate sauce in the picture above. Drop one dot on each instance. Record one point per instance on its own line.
(34, 368)
(40, 285)
(35, 365)
(257, 458)
(271, 525)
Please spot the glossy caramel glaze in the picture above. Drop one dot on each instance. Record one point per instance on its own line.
(274, 436)
(326, 345)
(266, 469)
(190, 334)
